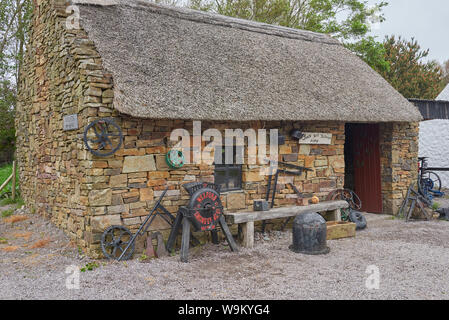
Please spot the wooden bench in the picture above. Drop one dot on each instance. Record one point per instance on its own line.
(330, 210)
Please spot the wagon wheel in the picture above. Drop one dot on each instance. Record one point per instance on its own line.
(349, 196)
(114, 241)
(103, 137)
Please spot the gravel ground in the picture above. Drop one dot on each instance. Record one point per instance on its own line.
(412, 259)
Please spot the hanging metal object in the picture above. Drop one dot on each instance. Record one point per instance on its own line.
(175, 159)
(296, 134)
(103, 137)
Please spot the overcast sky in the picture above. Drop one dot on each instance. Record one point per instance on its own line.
(425, 20)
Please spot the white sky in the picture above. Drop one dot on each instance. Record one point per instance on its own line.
(425, 20)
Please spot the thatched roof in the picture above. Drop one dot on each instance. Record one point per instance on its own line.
(178, 63)
(444, 95)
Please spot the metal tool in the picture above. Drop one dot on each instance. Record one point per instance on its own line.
(205, 213)
(119, 238)
(299, 170)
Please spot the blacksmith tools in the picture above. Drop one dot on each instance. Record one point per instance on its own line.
(204, 212)
(117, 242)
(297, 171)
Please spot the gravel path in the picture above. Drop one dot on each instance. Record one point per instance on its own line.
(412, 259)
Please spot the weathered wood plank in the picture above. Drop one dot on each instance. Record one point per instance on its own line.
(340, 230)
(284, 212)
(248, 234)
(185, 240)
(227, 233)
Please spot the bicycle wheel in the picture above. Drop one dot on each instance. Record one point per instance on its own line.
(432, 180)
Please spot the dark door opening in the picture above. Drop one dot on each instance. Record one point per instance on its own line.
(362, 163)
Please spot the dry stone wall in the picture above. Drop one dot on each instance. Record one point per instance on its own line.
(399, 162)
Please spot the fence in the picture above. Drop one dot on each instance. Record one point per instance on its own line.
(12, 178)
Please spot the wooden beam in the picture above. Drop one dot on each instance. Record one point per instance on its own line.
(6, 182)
(285, 212)
(14, 169)
(248, 234)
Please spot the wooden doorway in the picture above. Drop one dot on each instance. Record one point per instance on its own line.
(362, 159)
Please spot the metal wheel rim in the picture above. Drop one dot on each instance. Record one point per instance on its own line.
(114, 241)
(102, 137)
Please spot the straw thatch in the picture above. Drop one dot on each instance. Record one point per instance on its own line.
(178, 63)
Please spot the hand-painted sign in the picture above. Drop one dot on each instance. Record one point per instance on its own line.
(316, 138)
(70, 122)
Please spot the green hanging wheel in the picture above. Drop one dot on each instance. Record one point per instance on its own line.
(175, 159)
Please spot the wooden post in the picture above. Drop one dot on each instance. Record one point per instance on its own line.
(14, 169)
(185, 240)
(228, 234)
(248, 234)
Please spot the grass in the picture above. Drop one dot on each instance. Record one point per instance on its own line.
(89, 267)
(435, 206)
(7, 213)
(5, 172)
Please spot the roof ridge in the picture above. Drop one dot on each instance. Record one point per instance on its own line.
(217, 19)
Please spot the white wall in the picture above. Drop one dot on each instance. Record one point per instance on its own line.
(434, 143)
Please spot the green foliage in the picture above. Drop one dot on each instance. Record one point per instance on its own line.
(89, 267)
(17, 201)
(372, 52)
(15, 17)
(5, 172)
(408, 73)
(435, 206)
(347, 20)
(343, 19)
(7, 213)
(143, 257)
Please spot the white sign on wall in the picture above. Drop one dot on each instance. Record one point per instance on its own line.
(316, 138)
(70, 122)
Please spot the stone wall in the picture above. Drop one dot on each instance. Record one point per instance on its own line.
(128, 183)
(61, 75)
(399, 162)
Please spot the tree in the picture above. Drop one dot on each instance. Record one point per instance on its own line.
(347, 20)
(14, 20)
(408, 73)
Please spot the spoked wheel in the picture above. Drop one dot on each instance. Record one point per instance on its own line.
(114, 241)
(431, 180)
(349, 196)
(103, 137)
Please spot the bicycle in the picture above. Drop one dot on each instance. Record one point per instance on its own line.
(429, 183)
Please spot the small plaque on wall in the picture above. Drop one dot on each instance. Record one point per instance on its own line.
(70, 122)
(316, 138)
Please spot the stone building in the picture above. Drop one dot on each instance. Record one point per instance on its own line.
(153, 69)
